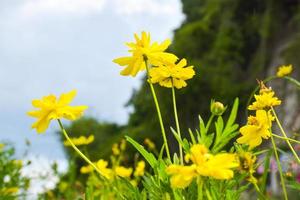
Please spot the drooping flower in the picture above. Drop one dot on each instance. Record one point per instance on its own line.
(264, 100)
(123, 171)
(140, 168)
(171, 74)
(217, 166)
(143, 49)
(82, 140)
(52, 108)
(257, 128)
(284, 70)
(247, 162)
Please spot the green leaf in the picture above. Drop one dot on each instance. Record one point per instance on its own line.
(233, 114)
(179, 140)
(192, 136)
(89, 193)
(202, 127)
(219, 127)
(148, 156)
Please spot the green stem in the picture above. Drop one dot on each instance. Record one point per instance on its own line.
(258, 191)
(158, 111)
(177, 122)
(76, 149)
(200, 188)
(285, 136)
(279, 169)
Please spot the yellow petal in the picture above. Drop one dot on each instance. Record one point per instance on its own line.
(67, 98)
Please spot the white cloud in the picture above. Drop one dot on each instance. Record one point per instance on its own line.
(153, 7)
(32, 8)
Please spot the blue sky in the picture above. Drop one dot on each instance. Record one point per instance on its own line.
(54, 46)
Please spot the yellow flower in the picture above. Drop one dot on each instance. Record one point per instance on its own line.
(105, 171)
(140, 168)
(284, 70)
(264, 100)
(82, 140)
(101, 166)
(219, 166)
(257, 128)
(149, 143)
(182, 176)
(86, 169)
(170, 74)
(123, 171)
(52, 108)
(143, 49)
(204, 164)
(198, 154)
(115, 149)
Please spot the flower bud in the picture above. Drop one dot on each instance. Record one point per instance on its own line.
(217, 108)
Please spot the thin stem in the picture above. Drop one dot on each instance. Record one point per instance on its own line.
(279, 169)
(258, 191)
(285, 136)
(158, 111)
(200, 188)
(76, 149)
(176, 121)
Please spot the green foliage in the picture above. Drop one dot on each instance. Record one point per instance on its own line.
(12, 184)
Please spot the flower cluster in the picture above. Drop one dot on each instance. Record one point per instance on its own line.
(217, 166)
(117, 170)
(165, 70)
(82, 140)
(259, 126)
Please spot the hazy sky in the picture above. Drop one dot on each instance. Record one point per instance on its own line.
(54, 46)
